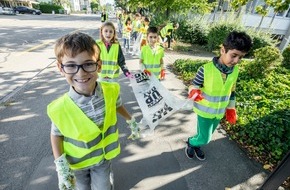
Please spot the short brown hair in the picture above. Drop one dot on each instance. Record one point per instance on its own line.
(75, 43)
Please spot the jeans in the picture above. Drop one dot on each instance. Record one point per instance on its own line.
(127, 43)
(99, 177)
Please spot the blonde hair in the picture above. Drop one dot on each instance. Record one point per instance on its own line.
(114, 39)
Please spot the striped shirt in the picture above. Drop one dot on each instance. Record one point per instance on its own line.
(93, 107)
(199, 79)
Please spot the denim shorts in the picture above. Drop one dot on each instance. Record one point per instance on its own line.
(98, 177)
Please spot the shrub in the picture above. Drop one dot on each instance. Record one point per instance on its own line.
(187, 68)
(286, 57)
(217, 34)
(266, 58)
(48, 8)
(260, 39)
(193, 32)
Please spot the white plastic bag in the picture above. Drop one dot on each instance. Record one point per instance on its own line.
(156, 102)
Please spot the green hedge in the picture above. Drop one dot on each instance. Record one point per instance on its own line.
(48, 8)
(286, 57)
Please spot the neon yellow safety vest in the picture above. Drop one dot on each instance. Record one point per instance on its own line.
(164, 31)
(151, 60)
(85, 144)
(126, 32)
(110, 68)
(104, 17)
(143, 30)
(215, 91)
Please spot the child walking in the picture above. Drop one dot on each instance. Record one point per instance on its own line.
(143, 30)
(112, 56)
(127, 29)
(84, 136)
(151, 58)
(136, 24)
(213, 91)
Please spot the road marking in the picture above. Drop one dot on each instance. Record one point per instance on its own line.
(35, 47)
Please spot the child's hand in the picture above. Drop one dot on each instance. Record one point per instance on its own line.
(66, 178)
(162, 74)
(129, 75)
(147, 72)
(135, 131)
(195, 95)
(231, 116)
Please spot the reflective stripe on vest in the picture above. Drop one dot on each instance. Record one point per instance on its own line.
(215, 91)
(87, 145)
(110, 67)
(164, 30)
(152, 61)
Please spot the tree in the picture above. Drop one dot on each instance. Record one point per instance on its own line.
(237, 5)
(279, 6)
(95, 5)
(168, 6)
(263, 11)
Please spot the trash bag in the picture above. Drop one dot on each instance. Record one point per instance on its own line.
(155, 101)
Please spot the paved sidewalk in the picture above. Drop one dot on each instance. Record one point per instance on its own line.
(156, 162)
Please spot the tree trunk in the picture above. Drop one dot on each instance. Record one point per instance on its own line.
(167, 12)
(273, 17)
(260, 22)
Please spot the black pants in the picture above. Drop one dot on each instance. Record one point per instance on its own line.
(168, 40)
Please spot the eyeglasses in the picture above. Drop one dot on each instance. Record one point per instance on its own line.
(74, 68)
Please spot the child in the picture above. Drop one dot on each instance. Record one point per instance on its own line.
(151, 58)
(127, 34)
(84, 137)
(167, 33)
(104, 16)
(143, 30)
(136, 24)
(213, 91)
(111, 54)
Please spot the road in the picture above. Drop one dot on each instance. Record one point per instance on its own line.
(28, 40)
(26, 50)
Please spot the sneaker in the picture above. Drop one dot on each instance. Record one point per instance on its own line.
(190, 151)
(170, 48)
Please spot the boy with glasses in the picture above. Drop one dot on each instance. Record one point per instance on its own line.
(84, 137)
(151, 57)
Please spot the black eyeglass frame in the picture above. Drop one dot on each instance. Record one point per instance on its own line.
(79, 66)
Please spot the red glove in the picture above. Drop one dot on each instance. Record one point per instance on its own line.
(147, 72)
(231, 116)
(195, 95)
(162, 74)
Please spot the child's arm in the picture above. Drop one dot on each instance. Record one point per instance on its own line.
(121, 62)
(161, 63)
(57, 145)
(66, 178)
(194, 91)
(142, 67)
(123, 112)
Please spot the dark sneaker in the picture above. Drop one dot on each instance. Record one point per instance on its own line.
(190, 151)
(199, 153)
